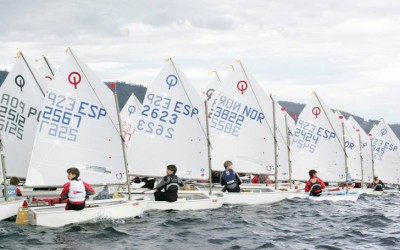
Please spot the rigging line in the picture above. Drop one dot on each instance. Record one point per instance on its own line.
(48, 65)
(337, 137)
(216, 73)
(231, 66)
(34, 77)
(190, 101)
(258, 103)
(98, 98)
(219, 79)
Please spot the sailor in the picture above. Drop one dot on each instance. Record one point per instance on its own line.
(75, 191)
(230, 180)
(377, 184)
(314, 185)
(12, 189)
(170, 185)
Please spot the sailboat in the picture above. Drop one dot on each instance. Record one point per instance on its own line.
(318, 144)
(385, 146)
(240, 117)
(79, 128)
(364, 143)
(22, 95)
(171, 130)
(352, 150)
(284, 126)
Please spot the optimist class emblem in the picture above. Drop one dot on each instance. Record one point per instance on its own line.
(209, 93)
(171, 81)
(316, 111)
(74, 78)
(20, 81)
(242, 86)
(131, 110)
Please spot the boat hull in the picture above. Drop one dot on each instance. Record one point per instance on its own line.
(184, 204)
(334, 196)
(9, 208)
(57, 216)
(255, 197)
(187, 200)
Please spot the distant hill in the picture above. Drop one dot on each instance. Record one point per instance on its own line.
(124, 91)
(3, 75)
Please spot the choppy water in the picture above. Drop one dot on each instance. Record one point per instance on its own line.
(373, 222)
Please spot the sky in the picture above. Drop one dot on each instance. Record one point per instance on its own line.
(346, 51)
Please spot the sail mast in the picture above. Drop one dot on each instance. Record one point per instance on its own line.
(3, 167)
(122, 143)
(288, 149)
(361, 158)
(372, 156)
(345, 155)
(48, 65)
(208, 149)
(275, 143)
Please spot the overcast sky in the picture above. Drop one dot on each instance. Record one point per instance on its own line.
(346, 51)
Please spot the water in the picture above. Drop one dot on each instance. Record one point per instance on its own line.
(373, 222)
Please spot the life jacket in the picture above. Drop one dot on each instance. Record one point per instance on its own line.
(77, 192)
(11, 192)
(315, 189)
(378, 187)
(229, 176)
(173, 184)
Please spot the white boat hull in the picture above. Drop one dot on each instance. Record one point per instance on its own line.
(187, 200)
(255, 197)
(391, 191)
(183, 204)
(9, 208)
(252, 194)
(334, 196)
(57, 216)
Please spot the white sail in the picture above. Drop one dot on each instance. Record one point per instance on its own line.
(282, 140)
(211, 87)
(78, 128)
(317, 143)
(365, 142)
(352, 149)
(129, 114)
(46, 69)
(386, 153)
(22, 95)
(170, 129)
(239, 131)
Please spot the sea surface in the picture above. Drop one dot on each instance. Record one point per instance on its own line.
(373, 222)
